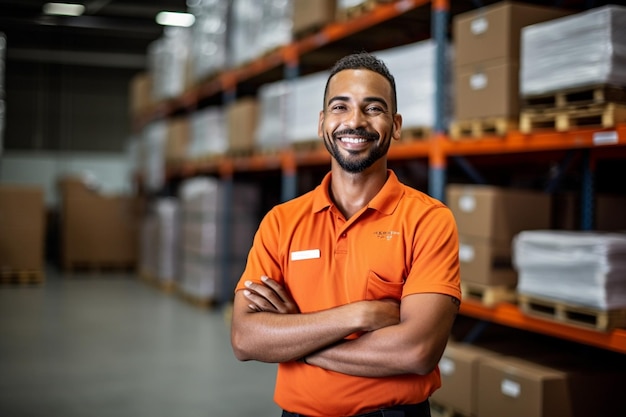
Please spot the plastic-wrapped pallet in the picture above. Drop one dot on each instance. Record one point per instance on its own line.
(582, 268)
(306, 99)
(585, 49)
(209, 37)
(272, 122)
(413, 67)
(159, 256)
(168, 59)
(208, 136)
(257, 26)
(153, 141)
(214, 241)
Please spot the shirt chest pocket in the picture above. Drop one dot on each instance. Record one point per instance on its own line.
(378, 288)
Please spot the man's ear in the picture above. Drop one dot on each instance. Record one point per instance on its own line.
(397, 126)
(320, 124)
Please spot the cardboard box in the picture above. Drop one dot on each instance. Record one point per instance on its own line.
(311, 15)
(483, 262)
(494, 31)
(487, 89)
(459, 377)
(241, 119)
(608, 212)
(140, 93)
(552, 385)
(176, 144)
(497, 213)
(96, 229)
(22, 227)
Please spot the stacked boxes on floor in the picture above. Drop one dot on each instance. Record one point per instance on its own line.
(214, 240)
(22, 228)
(160, 236)
(488, 218)
(97, 230)
(487, 58)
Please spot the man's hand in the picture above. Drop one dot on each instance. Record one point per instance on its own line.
(269, 297)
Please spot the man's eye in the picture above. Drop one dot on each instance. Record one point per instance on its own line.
(374, 109)
(338, 107)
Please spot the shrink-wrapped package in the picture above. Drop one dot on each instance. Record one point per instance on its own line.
(579, 267)
(209, 37)
(272, 107)
(306, 99)
(585, 49)
(168, 59)
(414, 67)
(208, 136)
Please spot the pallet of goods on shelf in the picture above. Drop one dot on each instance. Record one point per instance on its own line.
(208, 139)
(208, 50)
(309, 16)
(22, 231)
(486, 64)
(574, 277)
(351, 9)
(488, 217)
(414, 67)
(572, 72)
(306, 99)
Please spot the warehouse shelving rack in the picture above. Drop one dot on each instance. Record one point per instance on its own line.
(334, 40)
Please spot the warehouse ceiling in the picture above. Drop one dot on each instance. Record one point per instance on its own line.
(116, 33)
(109, 33)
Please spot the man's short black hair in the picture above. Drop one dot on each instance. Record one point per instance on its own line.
(364, 60)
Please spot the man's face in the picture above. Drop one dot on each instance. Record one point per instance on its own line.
(357, 123)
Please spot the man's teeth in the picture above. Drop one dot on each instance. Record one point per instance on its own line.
(353, 140)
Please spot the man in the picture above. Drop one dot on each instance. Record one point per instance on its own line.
(353, 287)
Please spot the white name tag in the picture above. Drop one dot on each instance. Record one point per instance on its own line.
(305, 254)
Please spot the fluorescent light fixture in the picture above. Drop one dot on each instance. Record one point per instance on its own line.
(63, 9)
(175, 19)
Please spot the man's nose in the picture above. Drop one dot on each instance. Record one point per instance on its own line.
(356, 118)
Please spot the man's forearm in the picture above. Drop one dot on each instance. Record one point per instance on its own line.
(273, 337)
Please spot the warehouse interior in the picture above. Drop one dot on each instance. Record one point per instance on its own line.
(137, 160)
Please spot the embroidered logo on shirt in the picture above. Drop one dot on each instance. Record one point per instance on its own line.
(386, 235)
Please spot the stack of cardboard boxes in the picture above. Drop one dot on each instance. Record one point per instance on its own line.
(97, 230)
(488, 217)
(487, 61)
(22, 231)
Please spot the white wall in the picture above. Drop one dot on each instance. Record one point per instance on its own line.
(111, 172)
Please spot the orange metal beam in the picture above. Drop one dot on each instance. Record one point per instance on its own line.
(510, 315)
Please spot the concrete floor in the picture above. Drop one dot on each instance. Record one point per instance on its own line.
(111, 345)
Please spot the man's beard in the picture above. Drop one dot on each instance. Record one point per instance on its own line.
(354, 165)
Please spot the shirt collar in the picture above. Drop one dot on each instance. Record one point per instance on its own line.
(385, 201)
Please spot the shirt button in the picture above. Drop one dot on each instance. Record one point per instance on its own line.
(343, 235)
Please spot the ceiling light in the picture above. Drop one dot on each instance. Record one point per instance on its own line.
(175, 19)
(63, 9)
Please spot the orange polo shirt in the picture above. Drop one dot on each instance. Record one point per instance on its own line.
(404, 242)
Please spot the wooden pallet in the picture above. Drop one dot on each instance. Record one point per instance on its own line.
(307, 145)
(98, 267)
(197, 301)
(21, 276)
(440, 410)
(488, 295)
(360, 9)
(597, 116)
(576, 97)
(478, 128)
(581, 316)
(165, 285)
(416, 133)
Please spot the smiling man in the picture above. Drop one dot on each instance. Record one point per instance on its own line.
(352, 288)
